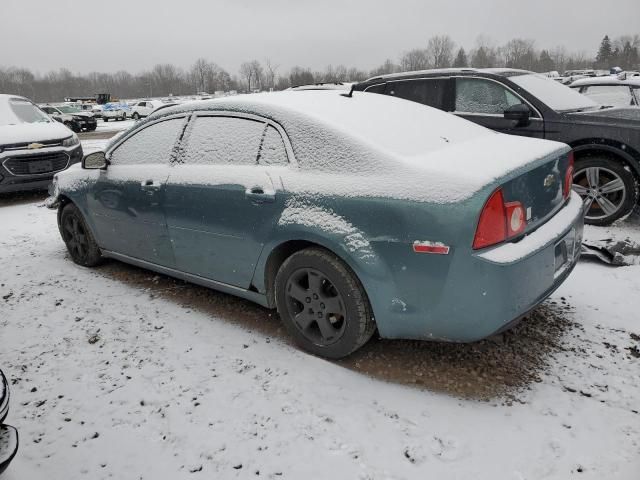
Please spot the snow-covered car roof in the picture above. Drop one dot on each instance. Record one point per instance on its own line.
(609, 80)
(363, 133)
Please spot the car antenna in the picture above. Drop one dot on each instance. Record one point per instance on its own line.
(350, 94)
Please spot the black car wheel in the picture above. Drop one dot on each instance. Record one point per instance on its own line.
(608, 189)
(105, 119)
(136, 116)
(323, 304)
(78, 238)
(72, 126)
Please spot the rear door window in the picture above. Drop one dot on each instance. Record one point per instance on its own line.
(477, 95)
(223, 141)
(154, 144)
(429, 92)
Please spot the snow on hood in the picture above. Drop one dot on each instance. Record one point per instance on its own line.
(33, 132)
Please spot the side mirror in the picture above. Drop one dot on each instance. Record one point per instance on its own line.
(95, 161)
(520, 113)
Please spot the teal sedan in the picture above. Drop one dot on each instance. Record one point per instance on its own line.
(348, 213)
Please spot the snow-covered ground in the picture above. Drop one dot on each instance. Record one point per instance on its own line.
(120, 373)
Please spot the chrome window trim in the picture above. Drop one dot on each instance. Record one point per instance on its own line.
(375, 85)
(507, 87)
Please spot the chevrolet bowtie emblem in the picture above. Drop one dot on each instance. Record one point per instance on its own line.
(549, 180)
(34, 146)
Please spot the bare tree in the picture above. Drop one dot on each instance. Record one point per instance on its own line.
(416, 59)
(247, 73)
(270, 73)
(440, 51)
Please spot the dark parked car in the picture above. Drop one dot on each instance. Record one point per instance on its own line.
(606, 141)
(73, 117)
(32, 146)
(346, 214)
(8, 434)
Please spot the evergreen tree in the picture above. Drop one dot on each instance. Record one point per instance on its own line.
(461, 59)
(546, 63)
(605, 53)
(480, 58)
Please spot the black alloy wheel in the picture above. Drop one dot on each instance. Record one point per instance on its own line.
(322, 303)
(78, 238)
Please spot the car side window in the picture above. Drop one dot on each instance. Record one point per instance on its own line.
(477, 95)
(142, 104)
(613, 95)
(223, 141)
(429, 92)
(153, 144)
(272, 150)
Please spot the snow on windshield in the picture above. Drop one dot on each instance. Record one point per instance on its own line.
(16, 110)
(555, 95)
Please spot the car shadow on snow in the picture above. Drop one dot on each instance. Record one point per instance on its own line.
(496, 368)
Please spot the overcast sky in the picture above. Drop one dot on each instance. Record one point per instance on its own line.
(134, 35)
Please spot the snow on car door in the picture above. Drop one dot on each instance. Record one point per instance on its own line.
(127, 203)
(221, 204)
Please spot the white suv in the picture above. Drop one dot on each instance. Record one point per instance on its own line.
(144, 108)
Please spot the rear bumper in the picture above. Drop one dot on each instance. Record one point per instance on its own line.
(480, 294)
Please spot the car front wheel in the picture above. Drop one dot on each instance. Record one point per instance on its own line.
(136, 116)
(78, 238)
(323, 304)
(609, 190)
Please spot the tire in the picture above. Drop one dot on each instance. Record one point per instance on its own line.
(71, 127)
(92, 129)
(620, 195)
(105, 119)
(323, 304)
(78, 238)
(136, 116)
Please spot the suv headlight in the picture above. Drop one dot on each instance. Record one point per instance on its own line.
(71, 141)
(78, 117)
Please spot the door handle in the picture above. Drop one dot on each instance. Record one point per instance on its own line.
(150, 186)
(260, 195)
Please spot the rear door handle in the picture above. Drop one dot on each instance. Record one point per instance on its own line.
(150, 186)
(260, 195)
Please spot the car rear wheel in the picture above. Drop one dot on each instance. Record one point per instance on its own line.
(323, 304)
(105, 119)
(136, 116)
(608, 189)
(76, 235)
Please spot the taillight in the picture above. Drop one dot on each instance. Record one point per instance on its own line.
(499, 221)
(568, 177)
(492, 227)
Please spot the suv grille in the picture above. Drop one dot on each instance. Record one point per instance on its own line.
(40, 163)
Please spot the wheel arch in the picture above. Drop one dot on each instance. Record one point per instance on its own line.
(274, 255)
(617, 150)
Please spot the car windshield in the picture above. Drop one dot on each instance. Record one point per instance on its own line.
(555, 95)
(18, 110)
(68, 109)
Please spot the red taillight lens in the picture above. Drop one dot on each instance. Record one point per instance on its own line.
(516, 221)
(568, 177)
(492, 227)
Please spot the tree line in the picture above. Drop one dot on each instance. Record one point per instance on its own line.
(440, 51)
